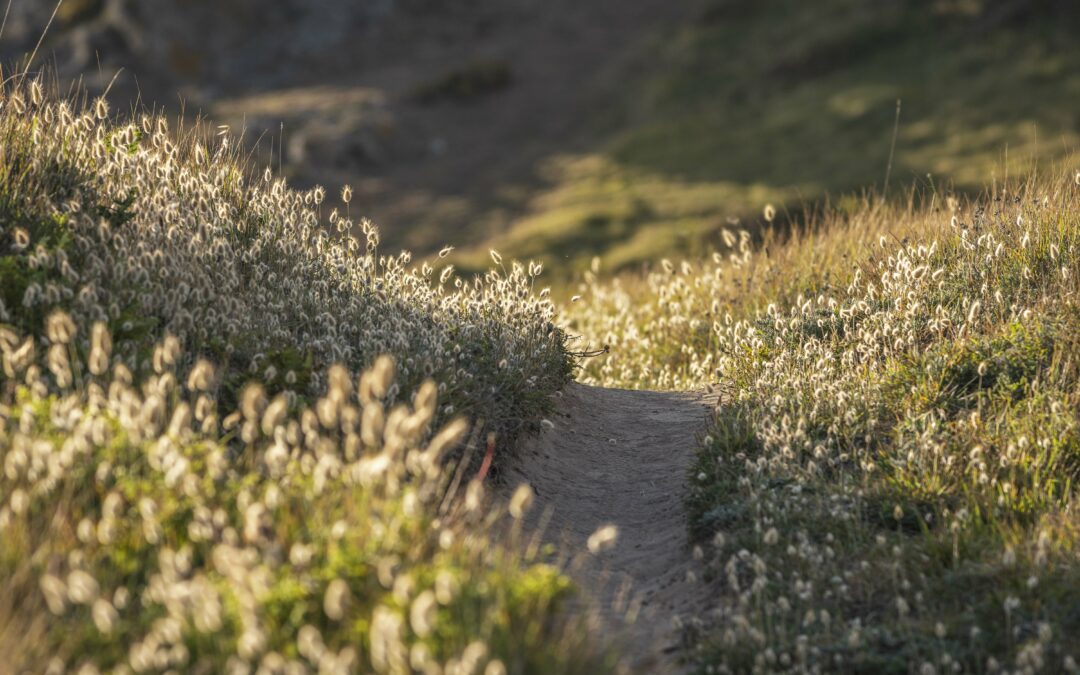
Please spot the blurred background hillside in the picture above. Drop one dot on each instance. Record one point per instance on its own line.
(565, 129)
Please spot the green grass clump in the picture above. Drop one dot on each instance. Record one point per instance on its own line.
(889, 482)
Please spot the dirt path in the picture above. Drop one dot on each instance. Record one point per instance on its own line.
(621, 457)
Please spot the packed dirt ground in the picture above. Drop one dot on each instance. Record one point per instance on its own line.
(620, 458)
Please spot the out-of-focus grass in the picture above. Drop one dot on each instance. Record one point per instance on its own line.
(785, 102)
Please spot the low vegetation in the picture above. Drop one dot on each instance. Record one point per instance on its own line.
(235, 437)
(126, 224)
(232, 441)
(889, 483)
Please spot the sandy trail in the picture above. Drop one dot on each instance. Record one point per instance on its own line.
(621, 457)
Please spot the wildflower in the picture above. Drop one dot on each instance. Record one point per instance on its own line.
(19, 501)
(274, 414)
(60, 328)
(309, 643)
(251, 644)
(100, 349)
(336, 600)
(1046, 631)
(602, 539)
(371, 424)
(82, 589)
(55, 592)
(521, 501)
(252, 401)
(382, 376)
(21, 239)
(387, 653)
(121, 597)
(300, 555)
(201, 376)
(105, 616)
(902, 607)
(1011, 603)
(346, 194)
(473, 654)
(422, 613)
(446, 587)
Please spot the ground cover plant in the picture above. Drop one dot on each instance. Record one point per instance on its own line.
(889, 481)
(231, 439)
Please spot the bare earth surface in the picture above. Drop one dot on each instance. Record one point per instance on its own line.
(621, 457)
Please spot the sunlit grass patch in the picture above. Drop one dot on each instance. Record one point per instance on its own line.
(142, 533)
(235, 439)
(153, 230)
(890, 476)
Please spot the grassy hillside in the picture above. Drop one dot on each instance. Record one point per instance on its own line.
(229, 438)
(889, 482)
(235, 435)
(787, 102)
(119, 223)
